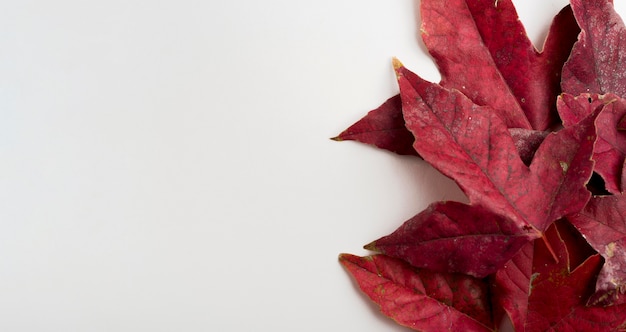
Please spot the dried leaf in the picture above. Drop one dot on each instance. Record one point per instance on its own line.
(384, 128)
(471, 145)
(603, 223)
(610, 149)
(457, 238)
(558, 296)
(420, 299)
(511, 287)
(533, 77)
(598, 62)
(525, 78)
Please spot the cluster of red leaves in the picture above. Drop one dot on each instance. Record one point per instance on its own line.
(537, 142)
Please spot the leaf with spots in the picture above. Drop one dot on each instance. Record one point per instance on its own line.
(610, 149)
(457, 237)
(603, 223)
(598, 62)
(481, 49)
(421, 299)
(559, 292)
(489, 58)
(384, 128)
(471, 145)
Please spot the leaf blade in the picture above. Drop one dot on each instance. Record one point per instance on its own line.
(604, 226)
(457, 237)
(597, 64)
(420, 299)
(471, 145)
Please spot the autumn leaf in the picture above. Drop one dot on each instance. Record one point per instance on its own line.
(471, 145)
(420, 299)
(510, 203)
(598, 61)
(603, 223)
(510, 287)
(610, 149)
(481, 49)
(384, 128)
(502, 58)
(558, 293)
(457, 238)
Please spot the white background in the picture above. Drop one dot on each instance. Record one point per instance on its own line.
(166, 165)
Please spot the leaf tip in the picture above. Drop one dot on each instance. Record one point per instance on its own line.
(345, 258)
(371, 246)
(396, 63)
(337, 138)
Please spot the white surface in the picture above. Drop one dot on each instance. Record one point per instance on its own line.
(166, 164)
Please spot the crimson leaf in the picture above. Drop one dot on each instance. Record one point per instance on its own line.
(457, 238)
(598, 63)
(610, 149)
(420, 299)
(558, 295)
(603, 224)
(471, 145)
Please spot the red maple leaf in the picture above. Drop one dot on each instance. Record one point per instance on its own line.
(520, 82)
(421, 299)
(501, 70)
(471, 145)
(457, 238)
(511, 203)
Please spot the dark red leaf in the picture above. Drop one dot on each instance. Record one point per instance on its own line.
(457, 238)
(572, 109)
(450, 34)
(383, 127)
(470, 144)
(598, 61)
(511, 286)
(610, 149)
(603, 223)
(420, 299)
(482, 49)
(507, 57)
(558, 294)
(534, 78)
